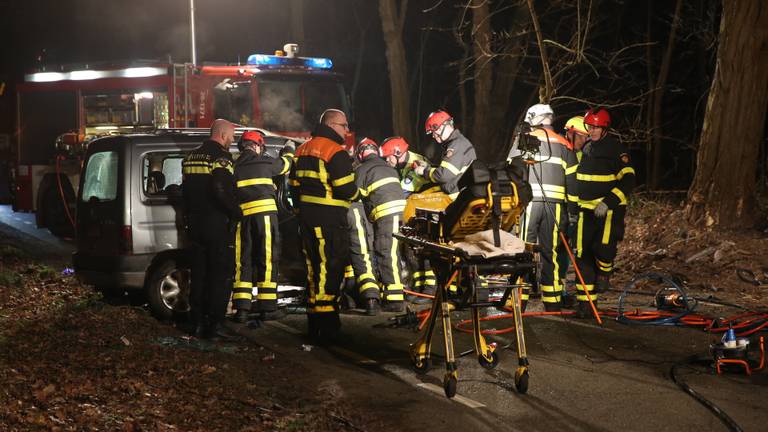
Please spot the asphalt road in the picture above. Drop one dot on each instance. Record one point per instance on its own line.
(583, 377)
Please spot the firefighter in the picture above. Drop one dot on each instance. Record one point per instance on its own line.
(257, 238)
(323, 186)
(395, 152)
(384, 203)
(361, 272)
(212, 213)
(458, 154)
(605, 179)
(576, 133)
(548, 213)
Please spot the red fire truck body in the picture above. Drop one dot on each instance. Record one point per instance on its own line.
(60, 112)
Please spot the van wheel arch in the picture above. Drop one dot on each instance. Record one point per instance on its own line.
(167, 286)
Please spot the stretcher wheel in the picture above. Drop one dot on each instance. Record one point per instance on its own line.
(521, 380)
(489, 364)
(450, 383)
(422, 366)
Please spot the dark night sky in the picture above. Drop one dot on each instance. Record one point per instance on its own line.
(75, 31)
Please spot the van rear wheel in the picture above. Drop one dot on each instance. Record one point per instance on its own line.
(168, 290)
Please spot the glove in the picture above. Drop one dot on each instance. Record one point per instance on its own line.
(601, 210)
(289, 147)
(419, 167)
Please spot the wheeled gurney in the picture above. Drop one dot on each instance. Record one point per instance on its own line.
(493, 197)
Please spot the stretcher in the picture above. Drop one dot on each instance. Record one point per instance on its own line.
(493, 197)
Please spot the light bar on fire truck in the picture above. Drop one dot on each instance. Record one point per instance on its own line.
(88, 74)
(271, 60)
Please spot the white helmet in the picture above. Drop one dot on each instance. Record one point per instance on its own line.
(539, 114)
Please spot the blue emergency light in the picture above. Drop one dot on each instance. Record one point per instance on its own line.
(271, 60)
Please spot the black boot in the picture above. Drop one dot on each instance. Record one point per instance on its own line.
(240, 316)
(272, 315)
(393, 306)
(372, 307)
(584, 310)
(602, 284)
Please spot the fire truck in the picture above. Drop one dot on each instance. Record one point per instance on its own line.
(60, 111)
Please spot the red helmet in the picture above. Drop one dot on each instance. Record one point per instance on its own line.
(393, 146)
(437, 119)
(365, 144)
(250, 136)
(597, 117)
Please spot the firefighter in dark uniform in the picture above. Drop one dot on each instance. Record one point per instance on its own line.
(605, 179)
(212, 213)
(323, 186)
(395, 152)
(384, 203)
(360, 272)
(458, 154)
(257, 238)
(551, 173)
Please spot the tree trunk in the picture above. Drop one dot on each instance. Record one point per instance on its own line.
(392, 26)
(483, 79)
(723, 188)
(654, 179)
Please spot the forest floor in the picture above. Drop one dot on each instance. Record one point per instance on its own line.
(69, 360)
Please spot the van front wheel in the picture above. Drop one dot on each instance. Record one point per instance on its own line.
(168, 290)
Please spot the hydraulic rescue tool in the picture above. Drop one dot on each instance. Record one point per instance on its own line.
(492, 197)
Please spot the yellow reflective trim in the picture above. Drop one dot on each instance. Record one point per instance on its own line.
(227, 166)
(386, 209)
(363, 245)
(447, 165)
(242, 296)
(268, 253)
(571, 170)
(624, 171)
(308, 174)
(607, 227)
(344, 180)
(266, 285)
(243, 285)
(591, 204)
(596, 177)
(620, 195)
(379, 183)
(365, 276)
(255, 181)
(323, 265)
(552, 195)
(573, 198)
(287, 159)
(368, 285)
(429, 173)
(268, 296)
(555, 241)
(393, 253)
(548, 187)
(257, 203)
(238, 251)
(580, 234)
(261, 209)
(196, 170)
(324, 201)
(323, 308)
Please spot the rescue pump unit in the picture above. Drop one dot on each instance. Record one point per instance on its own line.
(60, 111)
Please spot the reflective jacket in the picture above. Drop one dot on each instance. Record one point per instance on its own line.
(457, 156)
(556, 170)
(321, 179)
(253, 178)
(380, 187)
(208, 187)
(409, 180)
(605, 174)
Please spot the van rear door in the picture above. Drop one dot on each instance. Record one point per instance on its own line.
(103, 224)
